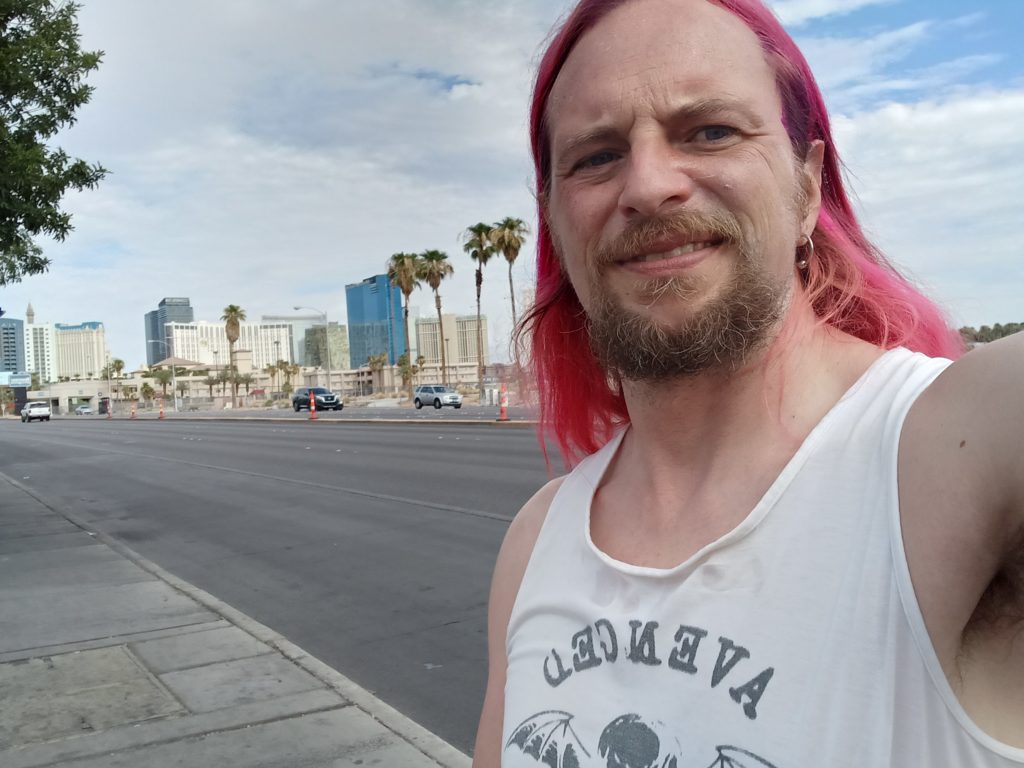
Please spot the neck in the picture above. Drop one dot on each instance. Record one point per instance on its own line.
(694, 435)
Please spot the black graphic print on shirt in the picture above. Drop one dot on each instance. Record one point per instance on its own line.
(628, 741)
(598, 643)
(631, 740)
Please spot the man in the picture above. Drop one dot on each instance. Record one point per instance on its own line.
(801, 543)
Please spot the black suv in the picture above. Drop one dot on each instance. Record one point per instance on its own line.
(325, 399)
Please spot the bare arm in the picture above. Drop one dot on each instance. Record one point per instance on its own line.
(962, 486)
(508, 575)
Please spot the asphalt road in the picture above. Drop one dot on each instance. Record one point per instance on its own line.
(371, 546)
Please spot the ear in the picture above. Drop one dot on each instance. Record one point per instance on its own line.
(810, 171)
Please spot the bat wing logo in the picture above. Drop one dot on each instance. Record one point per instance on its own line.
(628, 741)
(548, 737)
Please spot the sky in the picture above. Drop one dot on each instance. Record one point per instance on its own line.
(266, 154)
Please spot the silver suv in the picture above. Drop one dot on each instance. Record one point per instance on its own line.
(436, 395)
(35, 410)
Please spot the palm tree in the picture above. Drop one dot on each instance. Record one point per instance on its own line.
(477, 243)
(117, 368)
(233, 317)
(164, 377)
(376, 364)
(183, 389)
(246, 380)
(508, 237)
(404, 274)
(147, 392)
(271, 370)
(210, 383)
(434, 268)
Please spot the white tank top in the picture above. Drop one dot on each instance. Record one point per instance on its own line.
(794, 641)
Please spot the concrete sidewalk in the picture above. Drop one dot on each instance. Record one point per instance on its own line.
(107, 661)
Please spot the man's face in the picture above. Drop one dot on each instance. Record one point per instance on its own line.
(675, 200)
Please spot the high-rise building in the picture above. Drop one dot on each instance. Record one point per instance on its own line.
(207, 343)
(81, 349)
(300, 325)
(458, 335)
(316, 344)
(40, 348)
(170, 310)
(12, 345)
(374, 320)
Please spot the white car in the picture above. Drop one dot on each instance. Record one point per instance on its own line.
(83, 410)
(35, 410)
(437, 396)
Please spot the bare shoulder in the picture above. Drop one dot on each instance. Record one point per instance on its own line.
(961, 485)
(518, 545)
(513, 559)
(970, 421)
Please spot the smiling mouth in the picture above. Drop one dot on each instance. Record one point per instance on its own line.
(682, 250)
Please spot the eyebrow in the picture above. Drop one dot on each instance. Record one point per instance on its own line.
(690, 112)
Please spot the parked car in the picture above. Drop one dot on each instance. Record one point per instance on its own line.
(437, 396)
(35, 411)
(325, 399)
(83, 410)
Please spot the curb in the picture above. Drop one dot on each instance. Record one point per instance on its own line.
(510, 424)
(433, 746)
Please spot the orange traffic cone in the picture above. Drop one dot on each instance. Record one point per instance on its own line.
(161, 408)
(503, 413)
(312, 407)
(133, 411)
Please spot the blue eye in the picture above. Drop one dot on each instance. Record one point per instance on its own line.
(596, 160)
(715, 133)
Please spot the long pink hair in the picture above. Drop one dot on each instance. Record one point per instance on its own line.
(850, 284)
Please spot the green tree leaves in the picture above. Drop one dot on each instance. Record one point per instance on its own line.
(42, 71)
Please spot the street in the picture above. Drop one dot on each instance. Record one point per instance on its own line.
(371, 546)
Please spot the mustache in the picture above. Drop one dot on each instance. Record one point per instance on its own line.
(640, 235)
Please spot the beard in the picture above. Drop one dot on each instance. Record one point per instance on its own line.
(722, 334)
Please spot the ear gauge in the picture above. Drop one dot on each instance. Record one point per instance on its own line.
(805, 258)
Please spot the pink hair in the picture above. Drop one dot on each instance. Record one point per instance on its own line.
(850, 284)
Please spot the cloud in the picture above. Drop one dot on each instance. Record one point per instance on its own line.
(939, 185)
(798, 12)
(266, 158)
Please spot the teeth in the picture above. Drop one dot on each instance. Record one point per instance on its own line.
(680, 251)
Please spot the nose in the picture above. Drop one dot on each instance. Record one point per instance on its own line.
(656, 179)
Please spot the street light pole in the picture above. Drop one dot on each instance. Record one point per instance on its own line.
(174, 374)
(448, 359)
(327, 340)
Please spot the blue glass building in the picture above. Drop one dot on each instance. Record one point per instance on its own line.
(375, 322)
(12, 345)
(169, 310)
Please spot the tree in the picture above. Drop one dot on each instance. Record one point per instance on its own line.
(42, 69)
(164, 377)
(477, 243)
(183, 388)
(406, 370)
(404, 274)
(210, 383)
(271, 371)
(147, 392)
(508, 237)
(223, 377)
(116, 369)
(376, 364)
(246, 380)
(233, 317)
(434, 268)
